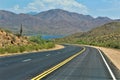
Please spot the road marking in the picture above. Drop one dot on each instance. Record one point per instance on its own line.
(108, 67)
(47, 72)
(26, 60)
(48, 55)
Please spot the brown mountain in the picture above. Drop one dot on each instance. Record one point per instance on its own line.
(55, 21)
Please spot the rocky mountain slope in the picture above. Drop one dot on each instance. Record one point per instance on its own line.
(55, 21)
(8, 39)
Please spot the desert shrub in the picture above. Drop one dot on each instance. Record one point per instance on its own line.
(37, 39)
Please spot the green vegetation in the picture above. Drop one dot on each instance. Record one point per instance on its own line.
(107, 35)
(41, 42)
(29, 47)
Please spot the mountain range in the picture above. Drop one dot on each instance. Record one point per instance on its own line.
(54, 21)
(32, 13)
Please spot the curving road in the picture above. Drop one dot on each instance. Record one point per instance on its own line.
(87, 66)
(24, 67)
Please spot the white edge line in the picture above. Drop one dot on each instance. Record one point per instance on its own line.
(26, 60)
(109, 69)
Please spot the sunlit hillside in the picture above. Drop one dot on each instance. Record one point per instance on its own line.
(11, 43)
(107, 35)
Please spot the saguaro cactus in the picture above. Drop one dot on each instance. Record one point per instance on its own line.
(21, 30)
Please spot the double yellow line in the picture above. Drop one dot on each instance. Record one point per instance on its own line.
(47, 72)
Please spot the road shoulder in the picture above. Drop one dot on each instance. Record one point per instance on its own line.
(112, 54)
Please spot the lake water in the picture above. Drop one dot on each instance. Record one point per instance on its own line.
(51, 36)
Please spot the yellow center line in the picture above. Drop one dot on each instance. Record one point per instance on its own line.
(47, 72)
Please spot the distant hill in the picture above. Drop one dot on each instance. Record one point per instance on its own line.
(55, 21)
(107, 35)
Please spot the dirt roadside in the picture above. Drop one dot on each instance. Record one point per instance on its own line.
(57, 47)
(112, 54)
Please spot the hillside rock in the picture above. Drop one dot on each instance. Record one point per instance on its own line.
(7, 39)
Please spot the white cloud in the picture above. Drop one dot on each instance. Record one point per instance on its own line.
(43, 5)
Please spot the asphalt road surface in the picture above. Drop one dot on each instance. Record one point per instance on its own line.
(87, 66)
(25, 67)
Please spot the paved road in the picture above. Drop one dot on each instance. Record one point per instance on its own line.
(25, 67)
(87, 66)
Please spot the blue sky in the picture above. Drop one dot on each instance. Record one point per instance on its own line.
(95, 8)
